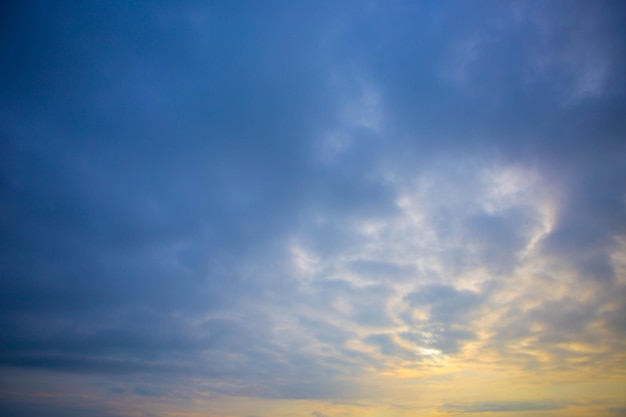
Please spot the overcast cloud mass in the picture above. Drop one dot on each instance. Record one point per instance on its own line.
(328, 209)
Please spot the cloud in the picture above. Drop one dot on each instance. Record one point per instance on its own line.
(23, 410)
(293, 202)
(504, 407)
(389, 347)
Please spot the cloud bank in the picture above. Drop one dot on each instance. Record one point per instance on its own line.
(329, 208)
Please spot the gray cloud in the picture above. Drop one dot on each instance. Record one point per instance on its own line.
(496, 407)
(389, 347)
(446, 303)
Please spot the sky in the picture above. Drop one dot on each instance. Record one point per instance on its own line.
(313, 208)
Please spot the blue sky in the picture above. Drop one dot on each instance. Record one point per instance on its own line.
(337, 209)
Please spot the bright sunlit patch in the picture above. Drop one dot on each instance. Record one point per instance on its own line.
(425, 248)
(430, 352)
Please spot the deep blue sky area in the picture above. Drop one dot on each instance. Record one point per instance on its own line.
(327, 208)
